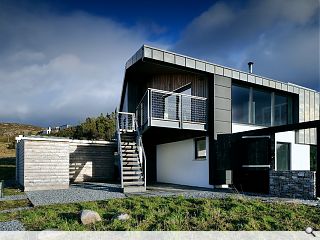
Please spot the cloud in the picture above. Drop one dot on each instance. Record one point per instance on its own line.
(60, 68)
(281, 37)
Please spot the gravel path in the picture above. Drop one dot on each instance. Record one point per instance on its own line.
(14, 197)
(14, 225)
(76, 193)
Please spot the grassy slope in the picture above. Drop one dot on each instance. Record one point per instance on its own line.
(174, 214)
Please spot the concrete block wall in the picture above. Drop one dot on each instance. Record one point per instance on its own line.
(293, 184)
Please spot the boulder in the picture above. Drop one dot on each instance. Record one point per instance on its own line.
(123, 217)
(89, 217)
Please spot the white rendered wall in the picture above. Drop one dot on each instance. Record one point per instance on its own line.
(176, 164)
(300, 154)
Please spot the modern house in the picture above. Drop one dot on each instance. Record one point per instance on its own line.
(186, 121)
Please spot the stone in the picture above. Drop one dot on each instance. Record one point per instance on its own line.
(89, 217)
(123, 217)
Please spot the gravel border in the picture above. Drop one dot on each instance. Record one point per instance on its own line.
(83, 192)
(13, 225)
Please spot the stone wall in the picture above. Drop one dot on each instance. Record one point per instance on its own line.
(293, 184)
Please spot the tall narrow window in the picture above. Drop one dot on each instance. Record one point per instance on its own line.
(240, 104)
(283, 156)
(280, 110)
(261, 108)
(200, 148)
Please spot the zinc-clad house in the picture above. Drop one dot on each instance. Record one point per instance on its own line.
(182, 120)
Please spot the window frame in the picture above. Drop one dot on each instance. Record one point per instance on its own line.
(289, 155)
(199, 158)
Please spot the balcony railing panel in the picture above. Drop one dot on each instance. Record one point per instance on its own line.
(170, 109)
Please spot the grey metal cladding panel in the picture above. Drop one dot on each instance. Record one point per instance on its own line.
(235, 75)
(272, 84)
(301, 106)
(243, 76)
(300, 137)
(218, 70)
(278, 85)
(251, 78)
(284, 86)
(200, 66)
(223, 92)
(222, 103)
(209, 68)
(265, 82)
(316, 106)
(312, 98)
(168, 57)
(307, 136)
(259, 80)
(306, 106)
(222, 81)
(227, 72)
(313, 139)
(223, 127)
(157, 55)
(180, 60)
(296, 90)
(147, 52)
(222, 115)
(190, 63)
(290, 88)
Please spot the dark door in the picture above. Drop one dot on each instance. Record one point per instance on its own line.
(254, 160)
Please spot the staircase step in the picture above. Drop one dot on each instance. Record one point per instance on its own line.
(128, 147)
(126, 151)
(133, 183)
(128, 143)
(134, 189)
(131, 164)
(132, 177)
(131, 168)
(131, 172)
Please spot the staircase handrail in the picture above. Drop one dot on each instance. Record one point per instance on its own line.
(120, 149)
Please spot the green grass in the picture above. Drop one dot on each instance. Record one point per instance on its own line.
(12, 191)
(4, 205)
(171, 213)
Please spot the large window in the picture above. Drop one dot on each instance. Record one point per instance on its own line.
(261, 108)
(240, 104)
(255, 106)
(283, 156)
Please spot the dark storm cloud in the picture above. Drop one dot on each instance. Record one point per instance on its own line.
(281, 37)
(57, 69)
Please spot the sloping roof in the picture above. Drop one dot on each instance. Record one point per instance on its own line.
(200, 65)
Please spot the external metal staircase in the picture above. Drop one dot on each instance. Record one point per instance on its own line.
(132, 155)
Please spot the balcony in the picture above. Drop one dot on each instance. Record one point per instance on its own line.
(159, 108)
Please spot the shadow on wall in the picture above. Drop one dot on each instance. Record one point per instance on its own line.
(91, 162)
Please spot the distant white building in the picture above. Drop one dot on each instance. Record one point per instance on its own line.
(47, 131)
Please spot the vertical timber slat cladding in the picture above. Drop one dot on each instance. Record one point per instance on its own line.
(170, 82)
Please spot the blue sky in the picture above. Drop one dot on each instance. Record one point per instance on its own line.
(62, 61)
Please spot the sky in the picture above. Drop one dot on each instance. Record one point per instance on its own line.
(63, 60)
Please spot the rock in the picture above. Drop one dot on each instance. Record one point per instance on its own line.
(123, 217)
(89, 217)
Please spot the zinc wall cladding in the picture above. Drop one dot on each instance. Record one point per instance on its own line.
(20, 163)
(308, 99)
(46, 165)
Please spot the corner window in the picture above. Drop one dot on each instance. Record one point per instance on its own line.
(240, 104)
(261, 108)
(283, 156)
(200, 148)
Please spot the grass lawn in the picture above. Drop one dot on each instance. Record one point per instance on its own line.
(172, 213)
(4, 205)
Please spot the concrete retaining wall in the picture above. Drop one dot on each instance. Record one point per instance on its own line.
(293, 184)
(51, 163)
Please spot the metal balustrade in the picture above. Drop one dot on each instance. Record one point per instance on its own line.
(170, 109)
(126, 121)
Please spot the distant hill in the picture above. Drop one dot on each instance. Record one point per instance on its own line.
(15, 129)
